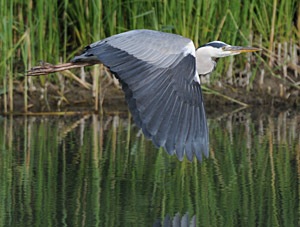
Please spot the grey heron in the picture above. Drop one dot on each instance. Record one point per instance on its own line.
(159, 73)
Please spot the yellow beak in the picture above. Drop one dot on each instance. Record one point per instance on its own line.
(240, 49)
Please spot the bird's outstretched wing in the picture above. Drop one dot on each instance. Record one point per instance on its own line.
(158, 75)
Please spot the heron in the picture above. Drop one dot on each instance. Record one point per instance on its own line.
(160, 76)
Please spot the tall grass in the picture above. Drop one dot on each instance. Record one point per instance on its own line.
(57, 30)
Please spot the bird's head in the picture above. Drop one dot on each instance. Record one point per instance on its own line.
(216, 49)
(219, 49)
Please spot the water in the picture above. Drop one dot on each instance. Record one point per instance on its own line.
(92, 170)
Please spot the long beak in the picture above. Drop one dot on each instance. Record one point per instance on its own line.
(240, 49)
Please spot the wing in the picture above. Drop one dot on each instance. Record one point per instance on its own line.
(158, 75)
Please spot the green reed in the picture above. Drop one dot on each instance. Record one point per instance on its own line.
(56, 31)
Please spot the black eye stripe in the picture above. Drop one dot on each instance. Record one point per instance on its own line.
(214, 44)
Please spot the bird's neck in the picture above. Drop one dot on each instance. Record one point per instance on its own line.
(204, 63)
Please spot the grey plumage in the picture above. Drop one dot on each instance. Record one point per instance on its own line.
(157, 73)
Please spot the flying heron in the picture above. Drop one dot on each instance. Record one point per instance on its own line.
(159, 73)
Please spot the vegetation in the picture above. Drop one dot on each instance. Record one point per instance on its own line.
(94, 170)
(54, 31)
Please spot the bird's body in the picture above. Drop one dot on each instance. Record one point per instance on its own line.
(159, 73)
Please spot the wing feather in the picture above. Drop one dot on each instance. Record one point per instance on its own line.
(170, 142)
(188, 147)
(157, 73)
(161, 136)
(181, 136)
(158, 116)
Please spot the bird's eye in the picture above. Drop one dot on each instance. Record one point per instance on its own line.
(223, 48)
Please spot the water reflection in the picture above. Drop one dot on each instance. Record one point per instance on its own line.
(176, 221)
(92, 170)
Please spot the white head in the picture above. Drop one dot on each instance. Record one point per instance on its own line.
(206, 53)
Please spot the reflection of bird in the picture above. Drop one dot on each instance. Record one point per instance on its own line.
(159, 73)
(176, 221)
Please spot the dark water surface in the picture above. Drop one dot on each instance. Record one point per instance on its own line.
(93, 170)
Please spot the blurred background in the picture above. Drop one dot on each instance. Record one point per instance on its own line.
(55, 31)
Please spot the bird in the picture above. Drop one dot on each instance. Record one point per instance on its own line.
(160, 76)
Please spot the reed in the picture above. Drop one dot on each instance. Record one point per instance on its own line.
(56, 31)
